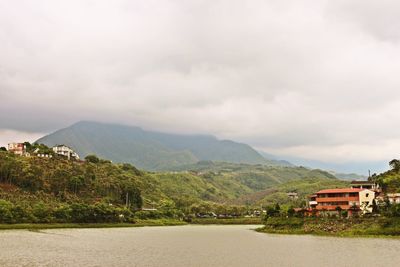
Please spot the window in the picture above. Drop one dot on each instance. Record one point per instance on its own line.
(367, 194)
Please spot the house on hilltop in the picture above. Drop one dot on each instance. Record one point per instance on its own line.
(65, 151)
(18, 149)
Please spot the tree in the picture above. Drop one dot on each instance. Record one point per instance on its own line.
(92, 159)
(277, 208)
(6, 215)
(375, 208)
(290, 212)
(131, 195)
(395, 164)
(3, 148)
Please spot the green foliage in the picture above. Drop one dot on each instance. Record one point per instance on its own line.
(390, 180)
(57, 190)
(41, 190)
(6, 214)
(3, 148)
(92, 159)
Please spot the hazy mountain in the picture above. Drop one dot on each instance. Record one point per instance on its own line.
(346, 170)
(349, 176)
(148, 149)
(271, 157)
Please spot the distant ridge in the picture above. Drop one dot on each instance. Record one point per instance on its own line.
(150, 150)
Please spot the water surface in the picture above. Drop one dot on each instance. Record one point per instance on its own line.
(189, 246)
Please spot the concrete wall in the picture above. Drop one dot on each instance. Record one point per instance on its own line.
(366, 199)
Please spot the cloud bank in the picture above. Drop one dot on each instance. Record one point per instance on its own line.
(315, 79)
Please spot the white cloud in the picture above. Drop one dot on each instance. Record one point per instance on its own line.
(318, 79)
(10, 136)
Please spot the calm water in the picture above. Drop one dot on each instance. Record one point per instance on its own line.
(189, 246)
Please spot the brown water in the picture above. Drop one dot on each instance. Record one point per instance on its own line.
(189, 246)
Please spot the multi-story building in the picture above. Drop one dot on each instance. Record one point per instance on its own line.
(65, 151)
(350, 199)
(18, 149)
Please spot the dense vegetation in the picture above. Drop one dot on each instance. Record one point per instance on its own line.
(44, 190)
(56, 190)
(389, 180)
(150, 150)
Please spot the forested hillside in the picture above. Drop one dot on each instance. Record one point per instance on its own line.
(46, 190)
(389, 180)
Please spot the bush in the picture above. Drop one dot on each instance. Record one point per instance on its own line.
(92, 159)
(6, 215)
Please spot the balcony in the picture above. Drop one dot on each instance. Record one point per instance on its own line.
(336, 199)
(312, 202)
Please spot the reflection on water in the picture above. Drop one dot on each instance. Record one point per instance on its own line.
(189, 246)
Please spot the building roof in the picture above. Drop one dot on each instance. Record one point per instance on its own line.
(340, 190)
(362, 182)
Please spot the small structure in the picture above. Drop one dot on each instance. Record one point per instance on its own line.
(18, 149)
(148, 209)
(394, 198)
(292, 195)
(312, 201)
(38, 153)
(65, 151)
(364, 185)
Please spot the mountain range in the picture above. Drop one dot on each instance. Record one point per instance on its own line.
(152, 150)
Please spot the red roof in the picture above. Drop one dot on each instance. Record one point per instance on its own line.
(340, 190)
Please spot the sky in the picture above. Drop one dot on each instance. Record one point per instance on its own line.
(317, 80)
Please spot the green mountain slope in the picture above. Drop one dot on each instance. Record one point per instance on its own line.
(150, 150)
(220, 182)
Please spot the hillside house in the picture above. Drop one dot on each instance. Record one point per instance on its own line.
(65, 151)
(349, 199)
(18, 149)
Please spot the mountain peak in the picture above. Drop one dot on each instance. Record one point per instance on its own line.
(148, 149)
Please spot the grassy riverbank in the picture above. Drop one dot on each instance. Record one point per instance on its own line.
(139, 223)
(254, 220)
(346, 227)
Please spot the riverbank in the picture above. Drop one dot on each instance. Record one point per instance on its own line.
(344, 227)
(139, 223)
(231, 221)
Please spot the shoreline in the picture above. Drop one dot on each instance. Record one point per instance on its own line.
(139, 223)
(262, 230)
(351, 228)
(42, 226)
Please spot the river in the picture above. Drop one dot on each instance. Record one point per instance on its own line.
(191, 245)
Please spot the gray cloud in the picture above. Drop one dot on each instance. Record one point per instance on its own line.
(300, 78)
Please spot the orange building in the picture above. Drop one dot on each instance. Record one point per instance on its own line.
(349, 199)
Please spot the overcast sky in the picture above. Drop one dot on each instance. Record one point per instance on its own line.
(313, 79)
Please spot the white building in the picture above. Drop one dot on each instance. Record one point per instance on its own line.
(65, 151)
(394, 198)
(366, 197)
